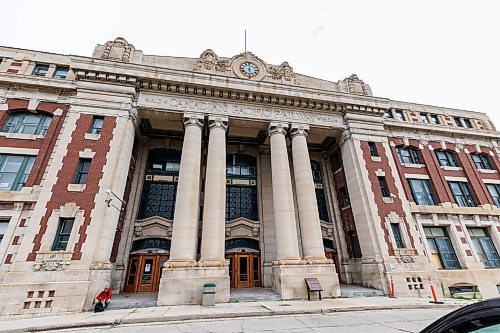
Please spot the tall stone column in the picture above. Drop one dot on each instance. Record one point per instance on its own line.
(214, 212)
(287, 247)
(310, 228)
(185, 226)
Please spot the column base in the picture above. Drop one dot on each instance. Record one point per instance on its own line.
(289, 280)
(184, 285)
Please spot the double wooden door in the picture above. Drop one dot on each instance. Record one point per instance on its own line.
(334, 256)
(144, 272)
(244, 270)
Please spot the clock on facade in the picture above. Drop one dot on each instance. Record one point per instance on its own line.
(249, 69)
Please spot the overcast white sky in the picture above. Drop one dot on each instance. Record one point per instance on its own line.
(443, 53)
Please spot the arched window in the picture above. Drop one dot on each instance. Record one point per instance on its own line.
(160, 184)
(447, 158)
(320, 191)
(241, 190)
(27, 123)
(409, 155)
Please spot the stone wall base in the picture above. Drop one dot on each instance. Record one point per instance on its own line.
(288, 280)
(184, 285)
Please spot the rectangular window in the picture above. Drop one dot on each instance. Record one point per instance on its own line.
(388, 114)
(40, 69)
(383, 186)
(97, 123)
(344, 197)
(458, 121)
(494, 190)
(446, 158)
(400, 115)
(3, 228)
(63, 233)
(396, 231)
(14, 171)
(423, 118)
(461, 193)
(82, 171)
(61, 72)
(355, 248)
(441, 248)
(484, 247)
(422, 192)
(435, 119)
(27, 123)
(336, 164)
(373, 148)
(468, 123)
(408, 155)
(482, 161)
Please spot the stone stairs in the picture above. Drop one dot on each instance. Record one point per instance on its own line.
(243, 295)
(352, 291)
(133, 300)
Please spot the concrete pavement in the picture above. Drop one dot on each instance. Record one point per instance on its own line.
(225, 310)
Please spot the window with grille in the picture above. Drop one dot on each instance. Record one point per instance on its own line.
(441, 248)
(462, 194)
(63, 234)
(14, 171)
(27, 123)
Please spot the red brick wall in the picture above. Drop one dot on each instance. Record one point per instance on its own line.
(385, 209)
(85, 199)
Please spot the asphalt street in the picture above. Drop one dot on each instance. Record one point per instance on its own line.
(362, 321)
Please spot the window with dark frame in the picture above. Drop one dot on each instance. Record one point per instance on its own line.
(409, 155)
(400, 115)
(96, 127)
(389, 115)
(241, 195)
(14, 171)
(458, 122)
(494, 190)
(462, 194)
(441, 248)
(63, 234)
(4, 223)
(336, 163)
(40, 69)
(373, 148)
(27, 123)
(383, 186)
(435, 119)
(423, 118)
(396, 231)
(60, 72)
(355, 248)
(468, 123)
(485, 248)
(320, 192)
(344, 197)
(82, 171)
(482, 161)
(447, 158)
(422, 192)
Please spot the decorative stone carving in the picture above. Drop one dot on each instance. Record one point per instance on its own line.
(282, 72)
(56, 265)
(104, 265)
(406, 256)
(209, 61)
(242, 227)
(277, 128)
(354, 85)
(217, 121)
(68, 210)
(193, 119)
(299, 129)
(52, 260)
(112, 50)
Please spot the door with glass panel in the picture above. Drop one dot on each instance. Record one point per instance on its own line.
(144, 272)
(244, 270)
(442, 251)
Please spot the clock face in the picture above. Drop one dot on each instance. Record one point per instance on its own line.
(249, 69)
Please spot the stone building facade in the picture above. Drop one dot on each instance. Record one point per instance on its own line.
(159, 174)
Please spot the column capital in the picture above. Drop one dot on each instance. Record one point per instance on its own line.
(299, 129)
(193, 119)
(218, 122)
(278, 128)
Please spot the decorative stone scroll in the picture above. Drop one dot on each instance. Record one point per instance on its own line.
(52, 261)
(112, 47)
(217, 121)
(282, 72)
(299, 129)
(193, 119)
(209, 61)
(278, 128)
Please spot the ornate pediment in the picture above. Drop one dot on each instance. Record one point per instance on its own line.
(155, 226)
(242, 228)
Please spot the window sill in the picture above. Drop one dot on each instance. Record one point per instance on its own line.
(486, 171)
(376, 158)
(451, 168)
(412, 165)
(92, 136)
(76, 187)
(388, 200)
(21, 136)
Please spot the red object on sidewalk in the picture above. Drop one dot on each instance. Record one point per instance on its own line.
(433, 293)
(392, 288)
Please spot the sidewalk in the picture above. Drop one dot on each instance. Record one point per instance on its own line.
(225, 310)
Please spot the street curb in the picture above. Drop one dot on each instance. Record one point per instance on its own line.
(125, 321)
